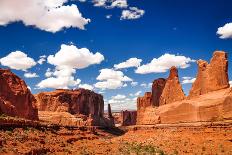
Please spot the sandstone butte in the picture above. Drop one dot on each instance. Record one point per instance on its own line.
(15, 98)
(209, 100)
(128, 118)
(78, 107)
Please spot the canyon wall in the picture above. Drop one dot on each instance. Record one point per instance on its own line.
(15, 98)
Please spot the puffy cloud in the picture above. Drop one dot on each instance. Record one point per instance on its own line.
(146, 85)
(18, 60)
(30, 75)
(132, 62)
(110, 74)
(230, 82)
(164, 63)
(58, 82)
(121, 102)
(49, 72)
(119, 97)
(86, 86)
(111, 79)
(69, 56)
(66, 61)
(51, 16)
(225, 31)
(119, 4)
(133, 83)
(132, 13)
(187, 80)
(111, 3)
(109, 84)
(108, 16)
(42, 59)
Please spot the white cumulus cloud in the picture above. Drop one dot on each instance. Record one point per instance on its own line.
(132, 62)
(42, 59)
(164, 63)
(66, 61)
(17, 60)
(86, 86)
(187, 80)
(111, 79)
(48, 15)
(30, 75)
(72, 57)
(132, 13)
(225, 31)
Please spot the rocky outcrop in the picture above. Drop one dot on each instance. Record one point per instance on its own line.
(15, 98)
(128, 117)
(172, 90)
(81, 103)
(164, 91)
(145, 101)
(210, 98)
(212, 76)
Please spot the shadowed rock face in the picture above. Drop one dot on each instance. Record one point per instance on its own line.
(157, 90)
(128, 117)
(211, 77)
(80, 101)
(15, 98)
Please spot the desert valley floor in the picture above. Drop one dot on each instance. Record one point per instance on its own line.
(216, 139)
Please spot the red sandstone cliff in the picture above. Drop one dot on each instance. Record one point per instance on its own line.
(15, 98)
(172, 90)
(82, 103)
(213, 76)
(210, 99)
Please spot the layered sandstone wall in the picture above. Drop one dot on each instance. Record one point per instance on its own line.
(210, 98)
(80, 103)
(15, 98)
(212, 76)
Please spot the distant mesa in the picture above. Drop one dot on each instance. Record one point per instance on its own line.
(85, 105)
(209, 100)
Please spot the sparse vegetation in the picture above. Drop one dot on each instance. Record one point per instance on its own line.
(140, 149)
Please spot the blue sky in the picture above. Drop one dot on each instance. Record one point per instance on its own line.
(117, 30)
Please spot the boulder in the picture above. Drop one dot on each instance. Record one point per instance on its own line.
(172, 90)
(128, 117)
(15, 98)
(212, 76)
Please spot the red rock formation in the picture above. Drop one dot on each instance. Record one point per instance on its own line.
(15, 98)
(79, 102)
(157, 90)
(128, 117)
(145, 101)
(173, 90)
(211, 77)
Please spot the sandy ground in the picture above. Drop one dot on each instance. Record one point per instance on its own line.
(150, 141)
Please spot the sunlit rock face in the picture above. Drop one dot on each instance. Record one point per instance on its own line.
(15, 98)
(211, 76)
